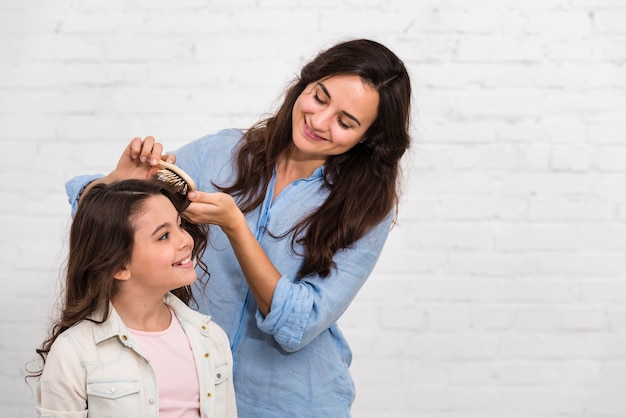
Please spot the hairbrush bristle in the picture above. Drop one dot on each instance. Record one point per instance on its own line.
(176, 177)
(173, 179)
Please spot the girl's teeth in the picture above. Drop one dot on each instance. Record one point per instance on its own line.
(185, 261)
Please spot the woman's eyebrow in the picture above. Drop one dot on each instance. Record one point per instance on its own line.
(348, 115)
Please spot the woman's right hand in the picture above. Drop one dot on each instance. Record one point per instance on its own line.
(140, 160)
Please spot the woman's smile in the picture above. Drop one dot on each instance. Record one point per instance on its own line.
(308, 131)
(332, 115)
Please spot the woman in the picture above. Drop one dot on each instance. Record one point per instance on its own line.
(126, 344)
(300, 206)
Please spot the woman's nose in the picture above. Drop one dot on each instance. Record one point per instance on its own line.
(320, 121)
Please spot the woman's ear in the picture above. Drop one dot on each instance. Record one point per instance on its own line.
(122, 274)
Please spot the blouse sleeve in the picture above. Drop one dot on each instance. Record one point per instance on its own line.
(302, 309)
(75, 186)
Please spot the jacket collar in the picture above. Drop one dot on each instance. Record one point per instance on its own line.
(113, 326)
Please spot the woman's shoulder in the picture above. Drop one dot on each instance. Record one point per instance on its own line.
(222, 138)
(216, 148)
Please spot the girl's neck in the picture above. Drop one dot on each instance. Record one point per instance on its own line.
(142, 314)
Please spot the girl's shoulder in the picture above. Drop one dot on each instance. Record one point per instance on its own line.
(73, 338)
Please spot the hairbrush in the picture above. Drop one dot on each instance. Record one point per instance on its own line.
(175, 176)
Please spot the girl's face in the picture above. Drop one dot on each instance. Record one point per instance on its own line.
(331, 115)
(161, 255)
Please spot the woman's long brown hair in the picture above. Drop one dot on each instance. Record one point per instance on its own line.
(101, 243)
(362, 182)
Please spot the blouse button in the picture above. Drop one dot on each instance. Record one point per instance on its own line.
(151, 400)
(124, 338)
(208, 395)
(113, 389)
(203, 327)
(219, 375)
(206, 355)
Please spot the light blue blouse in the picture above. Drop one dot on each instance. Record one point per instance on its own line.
(293, 362)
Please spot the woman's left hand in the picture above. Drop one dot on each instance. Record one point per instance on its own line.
(214, 208)
(220, 209)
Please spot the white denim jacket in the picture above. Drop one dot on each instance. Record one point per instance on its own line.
(97, 370)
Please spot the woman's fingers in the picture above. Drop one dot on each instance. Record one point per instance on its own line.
(140, 159)
(210, 208)
(170, 158)
(134, 148)
(147, 150)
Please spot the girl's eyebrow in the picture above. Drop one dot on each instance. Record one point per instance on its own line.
(164, 225)
(348, 115)
(158, 228)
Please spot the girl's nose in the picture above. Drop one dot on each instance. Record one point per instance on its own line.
(186, 240)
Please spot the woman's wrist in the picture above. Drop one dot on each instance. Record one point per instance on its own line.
(236, 227)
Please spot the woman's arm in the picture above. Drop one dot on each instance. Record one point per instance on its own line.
(139, 160)
(220, 209)
(293, 311)
(303, 309)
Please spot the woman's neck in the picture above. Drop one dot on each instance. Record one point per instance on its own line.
(290, 168)
(295, 164)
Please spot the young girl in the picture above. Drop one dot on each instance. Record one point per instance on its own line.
(126, 344)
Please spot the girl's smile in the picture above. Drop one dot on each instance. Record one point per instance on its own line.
(186, 263)
(161, 256)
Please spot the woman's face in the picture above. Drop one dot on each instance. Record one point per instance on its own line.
(331, 115)
(161, 256)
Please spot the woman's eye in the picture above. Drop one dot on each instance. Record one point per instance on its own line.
(342, 124)
(318, 99)
(164, 236)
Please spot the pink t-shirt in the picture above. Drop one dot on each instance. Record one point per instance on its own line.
(171, 358)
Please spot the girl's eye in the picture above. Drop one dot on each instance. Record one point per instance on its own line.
(164, 236)
(318, 99)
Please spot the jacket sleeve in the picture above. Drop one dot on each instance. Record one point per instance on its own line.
(302, 309)
(61, 390)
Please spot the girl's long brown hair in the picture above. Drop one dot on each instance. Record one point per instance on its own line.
(363, 182)
(101, 243)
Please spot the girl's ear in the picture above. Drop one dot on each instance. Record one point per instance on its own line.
(122, 274)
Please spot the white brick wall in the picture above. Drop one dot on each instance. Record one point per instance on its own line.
(502, 291)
